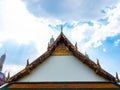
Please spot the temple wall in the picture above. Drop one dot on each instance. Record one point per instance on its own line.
(60, 69)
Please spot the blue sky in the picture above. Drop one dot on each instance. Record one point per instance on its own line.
(26, 27)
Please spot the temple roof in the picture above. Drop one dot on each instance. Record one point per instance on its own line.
(83, 58)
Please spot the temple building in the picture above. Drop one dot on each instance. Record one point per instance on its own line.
(62, 66)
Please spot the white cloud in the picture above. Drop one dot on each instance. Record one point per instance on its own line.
(119, 75)
(70, 10)
(99, 33)
(12, 68)
(21, 26)
(18, 25)
(104, 49)
(117, 42)
(82, 32)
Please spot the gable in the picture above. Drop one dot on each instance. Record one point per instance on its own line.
(65, 55)
(62, 68)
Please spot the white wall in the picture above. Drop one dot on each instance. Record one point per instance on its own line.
(62, 68)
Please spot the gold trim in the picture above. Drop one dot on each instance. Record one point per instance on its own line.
(62, 50)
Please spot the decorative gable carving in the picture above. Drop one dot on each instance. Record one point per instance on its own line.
(61, 49)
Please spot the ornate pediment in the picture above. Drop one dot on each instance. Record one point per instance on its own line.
(62, 50)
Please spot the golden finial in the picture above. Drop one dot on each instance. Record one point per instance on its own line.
(76, 45)
(98, 63)
(27, 62)
(61, 28)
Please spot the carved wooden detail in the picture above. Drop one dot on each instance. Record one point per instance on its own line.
(62, 50)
